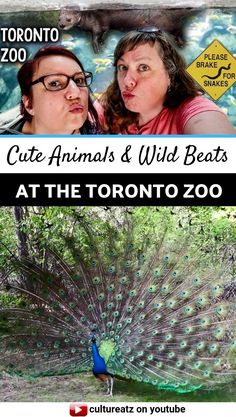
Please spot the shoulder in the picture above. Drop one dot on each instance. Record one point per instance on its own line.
(200, 115)
(196, 105)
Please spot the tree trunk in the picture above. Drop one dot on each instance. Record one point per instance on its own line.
(22, 239)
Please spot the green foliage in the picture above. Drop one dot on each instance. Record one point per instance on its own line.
(213, 229)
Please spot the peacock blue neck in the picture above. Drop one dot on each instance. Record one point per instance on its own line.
(101, 356)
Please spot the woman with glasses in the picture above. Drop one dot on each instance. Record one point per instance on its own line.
(153, 94)
(55, 95)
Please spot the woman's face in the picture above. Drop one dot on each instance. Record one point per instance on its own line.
(143, 81)
(57, 112)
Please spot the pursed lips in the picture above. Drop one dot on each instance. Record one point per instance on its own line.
(127, 95)
(76, 108)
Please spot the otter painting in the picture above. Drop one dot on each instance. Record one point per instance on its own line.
(99, 22)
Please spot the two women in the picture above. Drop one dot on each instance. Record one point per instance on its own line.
(151, 93)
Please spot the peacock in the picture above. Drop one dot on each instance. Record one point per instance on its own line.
(151, 308)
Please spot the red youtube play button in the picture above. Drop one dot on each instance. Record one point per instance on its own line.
(78, 409)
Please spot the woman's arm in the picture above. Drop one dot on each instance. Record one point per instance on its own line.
(209, 122)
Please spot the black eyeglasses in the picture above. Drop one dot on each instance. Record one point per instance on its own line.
(149, 29)
(57, 82)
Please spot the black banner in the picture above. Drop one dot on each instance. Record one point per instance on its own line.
(118, 189)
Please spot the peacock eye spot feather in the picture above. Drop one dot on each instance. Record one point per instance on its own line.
(83, 291)
(197, 365)
(206, 373)
(183, 344)
(138, 274)
(196, 281)
(127, 264)
(111, 269)
(161, 347)
(129, 309)
(159, 364)
(179, 363)
(119, 297)
(165, 289)
(201, 345)
(157, 306)
(141, 304)
(171, 303)
(184, 294)
(124, 280)
(110, 306)
(110, 287)
(101, 297)
(116, 313)
(152, 289)
(96, 280)
(191, 354)
(113, 253)
(132, 293)
(157, 317)
(188, 329)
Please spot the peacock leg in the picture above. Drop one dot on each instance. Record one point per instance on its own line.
(108, 386)
(111, 386)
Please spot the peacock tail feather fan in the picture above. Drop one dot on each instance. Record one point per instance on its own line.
(159, 313)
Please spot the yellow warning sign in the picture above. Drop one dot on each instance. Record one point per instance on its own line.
(214, 70)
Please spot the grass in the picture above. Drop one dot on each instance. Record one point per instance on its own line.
(85, 387)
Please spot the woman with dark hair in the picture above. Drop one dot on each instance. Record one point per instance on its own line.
(153, 94)
(55, 95)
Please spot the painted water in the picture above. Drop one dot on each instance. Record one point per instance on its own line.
(201, 30)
